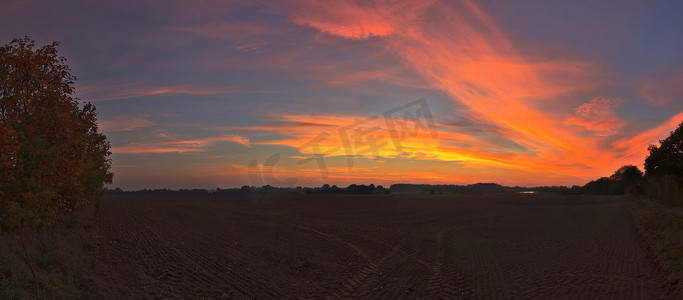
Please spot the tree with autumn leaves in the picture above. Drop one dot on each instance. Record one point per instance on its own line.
(53, 159)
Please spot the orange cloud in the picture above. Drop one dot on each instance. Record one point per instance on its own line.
(598, 116)
(459, 49)
(463, 53)
(337, 136)
(635, 148)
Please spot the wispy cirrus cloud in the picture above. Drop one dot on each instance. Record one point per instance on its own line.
(459, 49)
(225, 30)
(164, 143)
(126, 123)
(105, 91)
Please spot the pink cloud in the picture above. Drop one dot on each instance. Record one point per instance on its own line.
(359, 19)
(598, 115)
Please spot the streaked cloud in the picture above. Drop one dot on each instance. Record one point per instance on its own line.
(225, 30)
(115, 91)
(125, 123)
(164, 143)
(460, 50)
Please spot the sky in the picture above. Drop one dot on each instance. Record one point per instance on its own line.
(206, 94)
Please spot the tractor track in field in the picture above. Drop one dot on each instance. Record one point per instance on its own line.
(356, 285)
(444, 281)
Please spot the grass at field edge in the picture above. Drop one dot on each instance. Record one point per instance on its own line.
(662, 232)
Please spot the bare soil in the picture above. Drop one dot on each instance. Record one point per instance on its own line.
(529, 246)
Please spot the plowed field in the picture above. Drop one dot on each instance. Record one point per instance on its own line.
(352, 246)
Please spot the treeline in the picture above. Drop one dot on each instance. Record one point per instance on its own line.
(662, 179)
(358, 189)
(613, 185)
(119, 191)
(354, 189)
(266, 189)
(627, 179)
(470, 189)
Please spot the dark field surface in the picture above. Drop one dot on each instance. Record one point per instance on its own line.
(349, 246)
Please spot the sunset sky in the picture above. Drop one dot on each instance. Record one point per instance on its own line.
(206, 94)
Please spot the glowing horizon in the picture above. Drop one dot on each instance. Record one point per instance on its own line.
(195, 96)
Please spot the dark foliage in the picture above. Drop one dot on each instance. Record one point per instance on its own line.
(667, 159)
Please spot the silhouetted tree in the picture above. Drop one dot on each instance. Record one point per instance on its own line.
(664, 168)
(599, 186)
(627, 176)
(667, 159)
(381, 190)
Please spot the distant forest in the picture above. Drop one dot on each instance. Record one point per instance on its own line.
(601, 186)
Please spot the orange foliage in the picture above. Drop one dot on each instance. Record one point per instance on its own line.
(52, 157)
